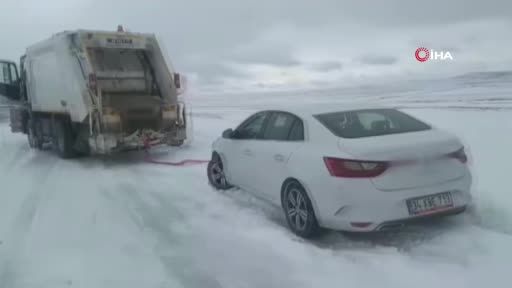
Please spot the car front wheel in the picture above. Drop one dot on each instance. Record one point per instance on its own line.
(216, 175)
(299, 211)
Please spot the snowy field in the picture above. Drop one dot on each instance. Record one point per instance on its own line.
(120, 222)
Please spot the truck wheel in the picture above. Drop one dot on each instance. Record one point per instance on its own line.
(176, 143)
(34, 141)
(63, 139)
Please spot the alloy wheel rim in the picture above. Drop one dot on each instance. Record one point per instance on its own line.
(218, 174)
(297, 211)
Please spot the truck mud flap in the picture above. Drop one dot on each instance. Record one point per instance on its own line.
(17, 117)
(182, 117)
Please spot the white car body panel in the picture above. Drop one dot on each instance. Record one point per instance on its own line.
(422, 154)
(340, 201)
(271, 158)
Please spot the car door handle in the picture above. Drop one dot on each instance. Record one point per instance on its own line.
(279, 158)
(248, 152)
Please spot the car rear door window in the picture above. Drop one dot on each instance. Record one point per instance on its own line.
(370, 122)
(297, 131)
(280, 126)
(252, 127)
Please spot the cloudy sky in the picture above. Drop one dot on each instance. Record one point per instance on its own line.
(282, 44)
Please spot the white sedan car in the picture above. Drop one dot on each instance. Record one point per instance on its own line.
(344, 168)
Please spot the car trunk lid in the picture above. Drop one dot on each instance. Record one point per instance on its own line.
(416, 159)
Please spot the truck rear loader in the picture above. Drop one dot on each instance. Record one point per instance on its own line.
(95, 92)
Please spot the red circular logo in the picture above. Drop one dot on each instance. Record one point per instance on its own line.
(422, 54)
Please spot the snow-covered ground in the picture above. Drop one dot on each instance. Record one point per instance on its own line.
(120, 222)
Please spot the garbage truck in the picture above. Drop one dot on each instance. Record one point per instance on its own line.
(95, 92)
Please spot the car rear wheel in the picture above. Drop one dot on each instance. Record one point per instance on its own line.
(299, 211)
(216, 175)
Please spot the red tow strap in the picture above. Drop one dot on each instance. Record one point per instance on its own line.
(148, 159)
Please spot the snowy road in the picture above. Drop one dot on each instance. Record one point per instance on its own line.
(120, 222)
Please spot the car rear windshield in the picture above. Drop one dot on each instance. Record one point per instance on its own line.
(370, 122)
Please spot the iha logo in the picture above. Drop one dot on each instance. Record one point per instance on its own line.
(423, 54)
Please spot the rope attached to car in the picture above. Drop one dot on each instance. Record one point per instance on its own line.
(186, 162)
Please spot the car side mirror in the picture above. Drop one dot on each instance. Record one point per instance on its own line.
(228, 134)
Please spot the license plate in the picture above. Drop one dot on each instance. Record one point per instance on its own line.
(430, 204)
(119, 42)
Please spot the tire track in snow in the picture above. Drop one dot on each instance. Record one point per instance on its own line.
(22, 223)
(158, 216)
(216, 231)
(489, 218)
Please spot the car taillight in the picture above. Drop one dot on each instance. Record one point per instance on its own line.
(93, 83)
(354, 168)
(459, 155)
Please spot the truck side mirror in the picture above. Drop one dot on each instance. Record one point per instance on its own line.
(177, 80)
(9, 80)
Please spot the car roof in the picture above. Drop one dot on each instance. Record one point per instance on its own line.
(314, 109)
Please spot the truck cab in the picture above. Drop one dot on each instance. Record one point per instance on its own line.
(12, 87)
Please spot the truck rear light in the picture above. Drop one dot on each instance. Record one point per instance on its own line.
(112, 118)
(112, 122)
(354, 168)
(170, 113)
(459, 155)
(177, 80)
(93, 83)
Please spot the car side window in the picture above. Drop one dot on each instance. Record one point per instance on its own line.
(280, 126)
(297, 131)
(252, 127)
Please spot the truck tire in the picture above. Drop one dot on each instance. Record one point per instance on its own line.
(176, 143)
(63, 139)
(34, 140)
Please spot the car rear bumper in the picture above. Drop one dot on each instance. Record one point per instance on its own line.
(397, 224)
(368, 209)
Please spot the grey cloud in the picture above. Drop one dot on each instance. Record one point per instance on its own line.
(450, 48)
(213, 72)
(197, 25)
(378, 60)
(326, 66)
(429, 13)
(441, 44)
(216, 30)
(320, 83)
(277, 56)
